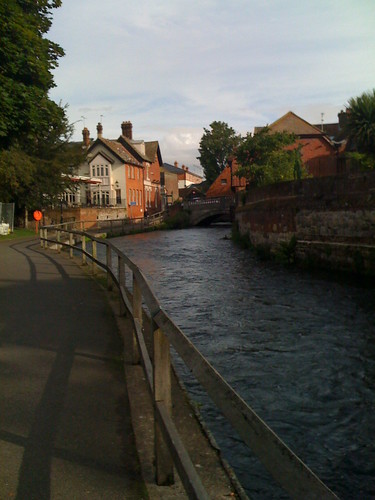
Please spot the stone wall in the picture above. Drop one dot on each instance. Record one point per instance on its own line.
(332, 218)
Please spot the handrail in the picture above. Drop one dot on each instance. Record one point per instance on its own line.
(287, 469)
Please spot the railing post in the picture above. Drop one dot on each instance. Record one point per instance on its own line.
(41, 235)
(58, 239)
(162, 393)
(83, 242)
(71, 245)
(45, 236)
(137, 314)
(109, 265)
(121, 281)
(94, 256)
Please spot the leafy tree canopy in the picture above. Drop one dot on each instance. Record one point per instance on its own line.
(360, 126)
(266, 158)
(216, 147)
(34, 130)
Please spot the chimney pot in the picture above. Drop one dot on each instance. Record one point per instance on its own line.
(176, 164)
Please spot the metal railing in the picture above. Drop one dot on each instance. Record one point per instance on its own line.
(285, 467)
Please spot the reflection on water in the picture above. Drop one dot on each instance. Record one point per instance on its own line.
(300, 349)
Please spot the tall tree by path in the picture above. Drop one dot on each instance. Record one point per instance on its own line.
(216, 147)
(34, 130)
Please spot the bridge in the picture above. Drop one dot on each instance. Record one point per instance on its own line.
(208, 210)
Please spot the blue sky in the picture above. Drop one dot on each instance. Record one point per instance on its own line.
(172, 67)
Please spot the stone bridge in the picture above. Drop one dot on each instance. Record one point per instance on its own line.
(206, 211)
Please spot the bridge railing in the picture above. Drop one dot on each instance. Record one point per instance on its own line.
(286, 468)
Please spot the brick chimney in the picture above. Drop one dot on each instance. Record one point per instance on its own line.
(127, 130)
(86, 137)
(99, 129)
(176, 164)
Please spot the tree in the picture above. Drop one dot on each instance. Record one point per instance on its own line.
(34, 130)
(216, 147)
(360, 126)
(266, 158)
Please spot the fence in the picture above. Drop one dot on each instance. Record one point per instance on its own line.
(6, 218)
(286, 468)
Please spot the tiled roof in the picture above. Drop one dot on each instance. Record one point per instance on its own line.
(172, 168)
(133, 149)
(292, 123)
(119, 150)
(151, 149)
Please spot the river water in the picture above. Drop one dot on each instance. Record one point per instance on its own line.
(299, 348)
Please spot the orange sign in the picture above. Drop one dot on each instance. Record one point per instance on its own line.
(37, 215)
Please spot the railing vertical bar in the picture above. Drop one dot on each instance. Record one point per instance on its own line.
(137, 314)
(94, 256)
(83, 242)
(162, 393)
(121, 280)
(58, 239)
(71, 245)
(109, 265)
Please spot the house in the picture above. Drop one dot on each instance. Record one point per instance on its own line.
(186, 177)
(227, 183)
(169, 179)
(319, 153)
(121, 173)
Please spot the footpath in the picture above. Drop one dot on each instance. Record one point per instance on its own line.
(73, 423)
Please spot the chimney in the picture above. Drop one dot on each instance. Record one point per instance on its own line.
(99, 129)
(127, 130)
(176, 164)
(342, 116)
(86, 137)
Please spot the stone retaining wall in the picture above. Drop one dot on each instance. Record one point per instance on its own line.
(333, 220)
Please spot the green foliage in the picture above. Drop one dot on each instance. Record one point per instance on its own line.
(264, 158)
(34, 130)
(180, 220)
(360, 123)
(216, 147)
(286, 252)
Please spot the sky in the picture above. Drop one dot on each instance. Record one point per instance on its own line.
(172, 67)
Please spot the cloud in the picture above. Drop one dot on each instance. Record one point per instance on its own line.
(173, 67)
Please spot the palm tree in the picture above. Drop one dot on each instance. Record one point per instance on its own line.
(361, 122)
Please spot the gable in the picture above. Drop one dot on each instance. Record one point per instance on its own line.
(292, 123)
(110, 149)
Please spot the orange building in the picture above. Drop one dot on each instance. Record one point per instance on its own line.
(227, 183)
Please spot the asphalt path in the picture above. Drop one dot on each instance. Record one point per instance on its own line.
(65, 426)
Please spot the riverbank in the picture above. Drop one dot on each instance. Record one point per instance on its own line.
(324, 222)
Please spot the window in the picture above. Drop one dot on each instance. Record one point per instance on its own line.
(118, 196)
(130, 196)
(102, 171)
(106, 170)
(223, 181)
(136, 197)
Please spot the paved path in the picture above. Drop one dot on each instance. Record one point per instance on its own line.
(65, 429)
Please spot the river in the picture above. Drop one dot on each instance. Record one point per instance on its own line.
(298, 347)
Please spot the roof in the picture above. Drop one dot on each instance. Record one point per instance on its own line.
(118, 149)
(133, 149)
(172, 168)
(153, 150)
(292, 123)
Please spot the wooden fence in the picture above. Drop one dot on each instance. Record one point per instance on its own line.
(286, 468)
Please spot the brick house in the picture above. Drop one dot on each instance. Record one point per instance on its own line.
(227, 183)
(319, 152)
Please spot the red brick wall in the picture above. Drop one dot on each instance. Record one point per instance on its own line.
(318, 156)
(135, 191)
